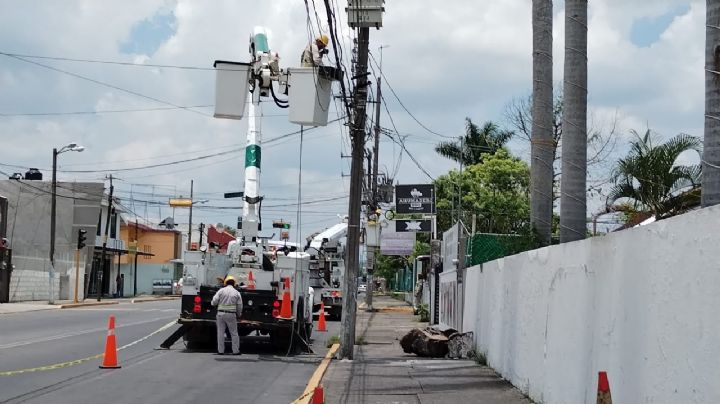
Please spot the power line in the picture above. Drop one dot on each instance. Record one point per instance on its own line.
(387, 83)
(98, 82)
(105, 62)
(111, 111)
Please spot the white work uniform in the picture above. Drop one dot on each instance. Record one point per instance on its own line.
(229, 302)
(311, 56)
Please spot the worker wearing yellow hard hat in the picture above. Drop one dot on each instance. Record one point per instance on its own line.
(313, 53)
(229, 309)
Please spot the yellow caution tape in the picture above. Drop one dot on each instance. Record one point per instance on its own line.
(83, 360)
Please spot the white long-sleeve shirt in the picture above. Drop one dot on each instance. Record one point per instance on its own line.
(311, 56)
(228, 299)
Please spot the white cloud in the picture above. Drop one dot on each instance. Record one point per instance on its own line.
(446, 61)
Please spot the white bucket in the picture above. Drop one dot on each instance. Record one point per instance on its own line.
(231, 89)
(309, 96)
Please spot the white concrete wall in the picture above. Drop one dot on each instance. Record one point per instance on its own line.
(641, 304)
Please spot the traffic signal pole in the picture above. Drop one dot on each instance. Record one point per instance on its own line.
(77, 274)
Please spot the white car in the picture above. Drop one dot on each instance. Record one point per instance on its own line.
(362, 288)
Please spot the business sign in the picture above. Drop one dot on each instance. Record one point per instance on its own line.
(394, 243)
(419, 198)
(416, 226)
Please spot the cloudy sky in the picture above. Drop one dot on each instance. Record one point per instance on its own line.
(444, 61)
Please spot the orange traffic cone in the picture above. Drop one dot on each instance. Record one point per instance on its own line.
(286, 307)
(321, 318)
(318, 396)
(603, 394)
(251, 281)
(110, 357)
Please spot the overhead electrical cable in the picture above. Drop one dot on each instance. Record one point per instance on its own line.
(101, 83)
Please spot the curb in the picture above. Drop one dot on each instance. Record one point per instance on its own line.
(317, 376)
(154, 299)
(76, 305)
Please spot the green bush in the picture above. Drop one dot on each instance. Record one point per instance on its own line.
(478, 357)
(335, 339)
(424, 313)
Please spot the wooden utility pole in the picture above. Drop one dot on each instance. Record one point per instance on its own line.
(347, 340)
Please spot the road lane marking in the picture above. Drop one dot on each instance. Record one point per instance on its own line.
(83, 360)
(317, 376)
(74, 334)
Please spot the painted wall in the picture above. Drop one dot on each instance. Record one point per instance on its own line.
(162, 243)
(78, 206)
(146, 274)
(641, 304)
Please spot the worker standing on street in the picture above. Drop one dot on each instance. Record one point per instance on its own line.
(313, 53)
(229, 309)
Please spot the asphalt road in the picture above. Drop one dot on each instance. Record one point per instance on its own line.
(42, 338)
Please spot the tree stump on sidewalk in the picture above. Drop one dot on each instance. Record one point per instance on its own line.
(425, 343)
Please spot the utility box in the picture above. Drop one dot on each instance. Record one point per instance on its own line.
(231, 89)
(365, 13)
(309, 92)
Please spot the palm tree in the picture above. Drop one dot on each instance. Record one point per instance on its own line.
(542, 145)
(711, 156)
(573, 183)
(649, 178)
(469, 149)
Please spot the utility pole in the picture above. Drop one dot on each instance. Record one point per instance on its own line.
(53, 208)
(347, 340)
(202, 229)
(105, 240)
(189, 243)
(135, 258)
(372, 251)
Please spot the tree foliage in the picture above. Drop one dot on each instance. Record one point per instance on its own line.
(475, 143)
(649, 179)
(497, 191)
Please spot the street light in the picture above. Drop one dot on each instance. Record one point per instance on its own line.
(70, 147)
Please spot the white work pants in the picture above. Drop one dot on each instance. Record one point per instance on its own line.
(228, 320)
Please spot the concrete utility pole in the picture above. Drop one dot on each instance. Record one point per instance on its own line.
(347, 340)
(104, 245)
(372, 251)
(189, 243)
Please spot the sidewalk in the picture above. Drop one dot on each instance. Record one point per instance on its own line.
(27, 306)
(382, 373)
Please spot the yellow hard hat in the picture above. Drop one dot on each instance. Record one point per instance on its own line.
(229, 278)
(324, 39)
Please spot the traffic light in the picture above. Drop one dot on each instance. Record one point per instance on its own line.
(81, 239)
(279, 224)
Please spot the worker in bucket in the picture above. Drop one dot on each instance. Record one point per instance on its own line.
(229, 309)
(313, 53)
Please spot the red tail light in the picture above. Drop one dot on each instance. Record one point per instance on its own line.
(197, 308)
(197, 299)
(276, 304)
(276, 313)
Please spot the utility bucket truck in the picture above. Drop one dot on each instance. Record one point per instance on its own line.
(274, 282)
(327, 269)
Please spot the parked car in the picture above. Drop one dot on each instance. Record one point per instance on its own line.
(362, 288)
